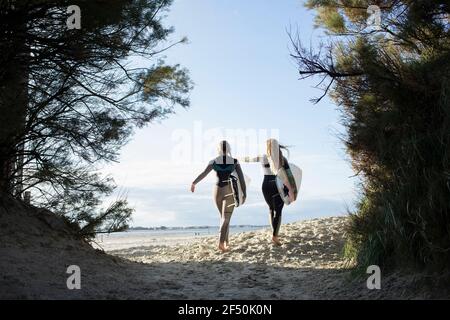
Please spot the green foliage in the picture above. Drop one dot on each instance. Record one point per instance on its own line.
(393, 86)
(332, 19)
(70, 99)
(340, 16)
(113, 219)
(167, 82)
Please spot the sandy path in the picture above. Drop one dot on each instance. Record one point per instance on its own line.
(36, 247)
(308, 265)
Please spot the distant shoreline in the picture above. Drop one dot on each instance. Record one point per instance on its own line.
(163, 237)
(161, 228)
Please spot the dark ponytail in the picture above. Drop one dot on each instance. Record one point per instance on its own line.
(283, 147)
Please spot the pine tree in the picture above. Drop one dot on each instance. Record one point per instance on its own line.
(70, 98)
(392, 82)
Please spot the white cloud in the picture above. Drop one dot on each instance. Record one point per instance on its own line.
(154, 216)
(154, 173)
(190, 197)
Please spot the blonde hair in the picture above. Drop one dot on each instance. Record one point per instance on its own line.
(275, 155)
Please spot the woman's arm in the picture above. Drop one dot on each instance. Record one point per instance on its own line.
(201, 176)
(249, 159)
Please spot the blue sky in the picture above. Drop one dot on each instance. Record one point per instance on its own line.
(246, 86)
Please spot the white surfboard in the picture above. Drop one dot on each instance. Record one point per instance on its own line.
(294, 174)
(236, 186)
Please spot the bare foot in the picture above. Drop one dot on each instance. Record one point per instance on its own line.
(276, 241)
(222, 247)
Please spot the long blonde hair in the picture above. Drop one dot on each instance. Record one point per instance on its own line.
(275, 155)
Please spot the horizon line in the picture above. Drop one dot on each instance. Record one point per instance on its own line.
(199, 226)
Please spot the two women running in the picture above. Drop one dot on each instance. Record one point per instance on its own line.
(224, 165)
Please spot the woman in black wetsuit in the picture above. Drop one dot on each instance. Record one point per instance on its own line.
(271, 162)
(224, 165)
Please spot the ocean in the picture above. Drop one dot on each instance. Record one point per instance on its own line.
(170, 236)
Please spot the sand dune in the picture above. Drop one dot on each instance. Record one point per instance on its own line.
(36, 248)
(309, 265)
(303, 268)
(313, 243)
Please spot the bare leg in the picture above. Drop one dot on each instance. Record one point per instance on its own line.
(219, 203)
(225, 207)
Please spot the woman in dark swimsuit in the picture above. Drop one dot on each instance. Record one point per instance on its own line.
(224, 165)
(271, 162)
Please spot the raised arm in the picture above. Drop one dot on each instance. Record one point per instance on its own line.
(254, 159)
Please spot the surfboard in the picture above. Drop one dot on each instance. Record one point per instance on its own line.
(236, 186)
(294, 175)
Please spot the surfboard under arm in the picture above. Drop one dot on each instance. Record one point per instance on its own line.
(294, 176)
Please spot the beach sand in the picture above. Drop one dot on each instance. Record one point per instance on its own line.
(112, 243)
(307, 266)
(36, 247)
(174, 237)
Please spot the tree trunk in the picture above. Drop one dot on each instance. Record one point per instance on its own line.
(13, 100)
